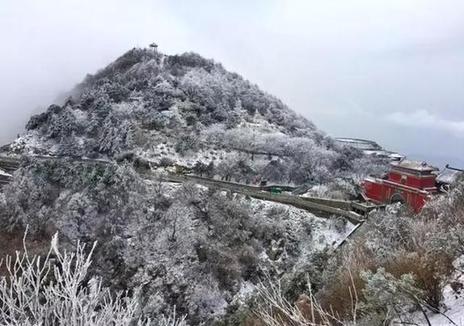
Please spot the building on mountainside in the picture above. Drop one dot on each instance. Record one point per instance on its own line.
(449, 175)
(369, 147)
(409, 182)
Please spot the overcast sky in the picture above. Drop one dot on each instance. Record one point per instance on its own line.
(387, 70)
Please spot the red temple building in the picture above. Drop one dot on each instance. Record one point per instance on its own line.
(408, 182)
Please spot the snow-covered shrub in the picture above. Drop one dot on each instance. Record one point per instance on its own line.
(185, 144)
(83, 198)
(166, 162)
(57, 290)
(386, 297)
(274, 309)
(337, 189)
(396, 245)
(116, 92)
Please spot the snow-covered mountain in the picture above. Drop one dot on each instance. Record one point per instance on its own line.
(200, 250)
(187, 110)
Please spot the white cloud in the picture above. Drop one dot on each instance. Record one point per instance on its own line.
(425, 120)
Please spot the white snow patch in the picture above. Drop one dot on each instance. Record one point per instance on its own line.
(123, 107)
(317, 191)
(80, 141)
(453, 302)
(246, 291)
(323, 232)
(3, 173)
(29, 143)
(80, 115)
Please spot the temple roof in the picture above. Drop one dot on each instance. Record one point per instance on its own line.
(414, 165)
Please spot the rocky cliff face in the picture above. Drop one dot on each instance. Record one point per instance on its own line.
(200, 250)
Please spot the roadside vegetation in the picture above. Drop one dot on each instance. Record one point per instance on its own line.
(396, 268)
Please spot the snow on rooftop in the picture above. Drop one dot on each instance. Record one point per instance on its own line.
(414, 165)
(449, 176)
(354, 140)
(362, 144)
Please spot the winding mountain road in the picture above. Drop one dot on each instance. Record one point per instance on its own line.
(319, 206)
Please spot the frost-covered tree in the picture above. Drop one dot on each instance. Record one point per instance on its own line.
(58, 290)
(192, 104)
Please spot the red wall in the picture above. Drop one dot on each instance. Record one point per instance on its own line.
(413, 181)
(382, 193)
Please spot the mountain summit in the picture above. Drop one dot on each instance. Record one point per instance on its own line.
(186, 110)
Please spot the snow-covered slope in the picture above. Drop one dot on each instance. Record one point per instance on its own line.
(201, 250)
(187, 110)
